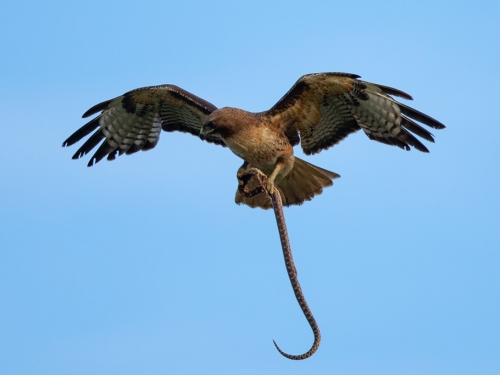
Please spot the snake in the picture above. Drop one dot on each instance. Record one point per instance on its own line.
(287, 255)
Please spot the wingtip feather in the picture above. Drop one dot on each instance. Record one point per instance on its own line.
(394, 92)
(97, 108)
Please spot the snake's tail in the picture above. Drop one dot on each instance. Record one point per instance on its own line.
(306, 355)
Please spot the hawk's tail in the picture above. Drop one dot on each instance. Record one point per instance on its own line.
(302, 183)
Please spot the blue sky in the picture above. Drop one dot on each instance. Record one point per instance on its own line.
(145, 265)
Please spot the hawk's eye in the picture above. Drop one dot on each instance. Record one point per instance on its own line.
(208, 127)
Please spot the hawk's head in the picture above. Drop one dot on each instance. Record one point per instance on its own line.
(224, 122)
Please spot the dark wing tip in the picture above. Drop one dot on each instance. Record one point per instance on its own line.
(395, 92)
(408, 124)
(82, 132)
(93, 141)
(104, 150)
(97, 108)
(420, 117)
(410, 112)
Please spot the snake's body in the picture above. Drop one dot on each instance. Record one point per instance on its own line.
(287, 254)
(292, 275)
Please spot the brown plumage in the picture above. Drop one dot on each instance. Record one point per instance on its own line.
(319, 111)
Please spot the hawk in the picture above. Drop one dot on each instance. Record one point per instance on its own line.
(319, 111)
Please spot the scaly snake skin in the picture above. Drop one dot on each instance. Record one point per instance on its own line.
(287, 254)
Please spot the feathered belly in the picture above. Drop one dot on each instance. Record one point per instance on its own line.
(261, 151)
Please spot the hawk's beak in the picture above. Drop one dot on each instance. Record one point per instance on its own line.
(202, 135)
(204, 132)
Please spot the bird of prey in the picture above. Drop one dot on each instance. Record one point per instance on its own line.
(319, 111)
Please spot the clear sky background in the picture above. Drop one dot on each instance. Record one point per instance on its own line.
(145, 265)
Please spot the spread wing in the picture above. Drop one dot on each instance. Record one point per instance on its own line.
(324, 108)
(133, 121)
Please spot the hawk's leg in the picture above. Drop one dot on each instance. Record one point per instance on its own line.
(272, 177)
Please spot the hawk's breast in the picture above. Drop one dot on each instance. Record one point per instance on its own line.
(259, 145)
